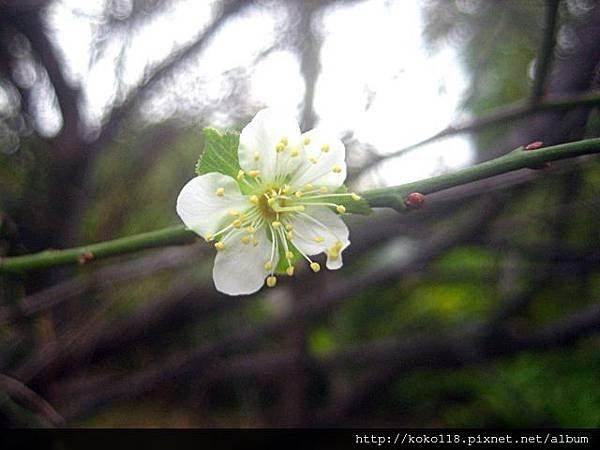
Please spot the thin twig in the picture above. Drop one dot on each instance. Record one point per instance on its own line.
(498, 116)
(57, 294)
(391, 197)
(520, 158)
(18, 391)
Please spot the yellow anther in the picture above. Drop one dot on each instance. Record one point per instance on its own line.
(290, 271)
(220, 246)
(323, 190)
(254, 199)
(271, 281)
(319, 239)
(313, 160)
(298, 194)
(355, 196)
(325, 148)
(254, 173)
(285, 189)
(289, 227)
(209, 237)
(336, 169)
(341, 209)
(245, 240)
(250, 229)
(284, 141)
(308, 187)
(294, 152)
(276, 224)
(220, 192)
(233, 212)
(255, 242)
(306, 140)
(270, 201)
(256, 156)
(268, 265)
(289, 235)
(315, 267)
(279, 148)
(240, 175)
(289, 255)
(237, 223)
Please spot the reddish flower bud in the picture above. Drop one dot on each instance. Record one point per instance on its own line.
(534, 145)
(85, 257)
(414, 200)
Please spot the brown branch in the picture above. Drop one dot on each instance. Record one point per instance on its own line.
(390, 359)
(228, 9)
(32, 401)
(97, 279)
(546, 52)
(31, 25)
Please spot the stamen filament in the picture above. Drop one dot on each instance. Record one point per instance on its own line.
(287, 208)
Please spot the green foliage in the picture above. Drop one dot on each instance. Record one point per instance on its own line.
(321, 341)
(531, 390)
(220, 153)
(157, 160)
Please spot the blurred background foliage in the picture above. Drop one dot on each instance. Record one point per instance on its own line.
(144, 340)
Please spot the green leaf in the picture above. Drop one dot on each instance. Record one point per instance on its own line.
(220, 153)
(360, 206)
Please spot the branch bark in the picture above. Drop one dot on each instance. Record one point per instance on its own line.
(32, 401)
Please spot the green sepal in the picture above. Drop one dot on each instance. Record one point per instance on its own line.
(220, 153)
(360, 206)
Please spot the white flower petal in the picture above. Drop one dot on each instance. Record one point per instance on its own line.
(318, 230)
(259, 139)
(202, 210)
(334, 263)
(321, 168)
(239, 268)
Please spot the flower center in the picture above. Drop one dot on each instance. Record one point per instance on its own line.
(267, 202)
(275, 202)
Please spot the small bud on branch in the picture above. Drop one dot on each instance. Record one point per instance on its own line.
(534, 145)
(85, 257)
(415, 200)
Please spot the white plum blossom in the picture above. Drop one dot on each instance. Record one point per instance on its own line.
(279, 206)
